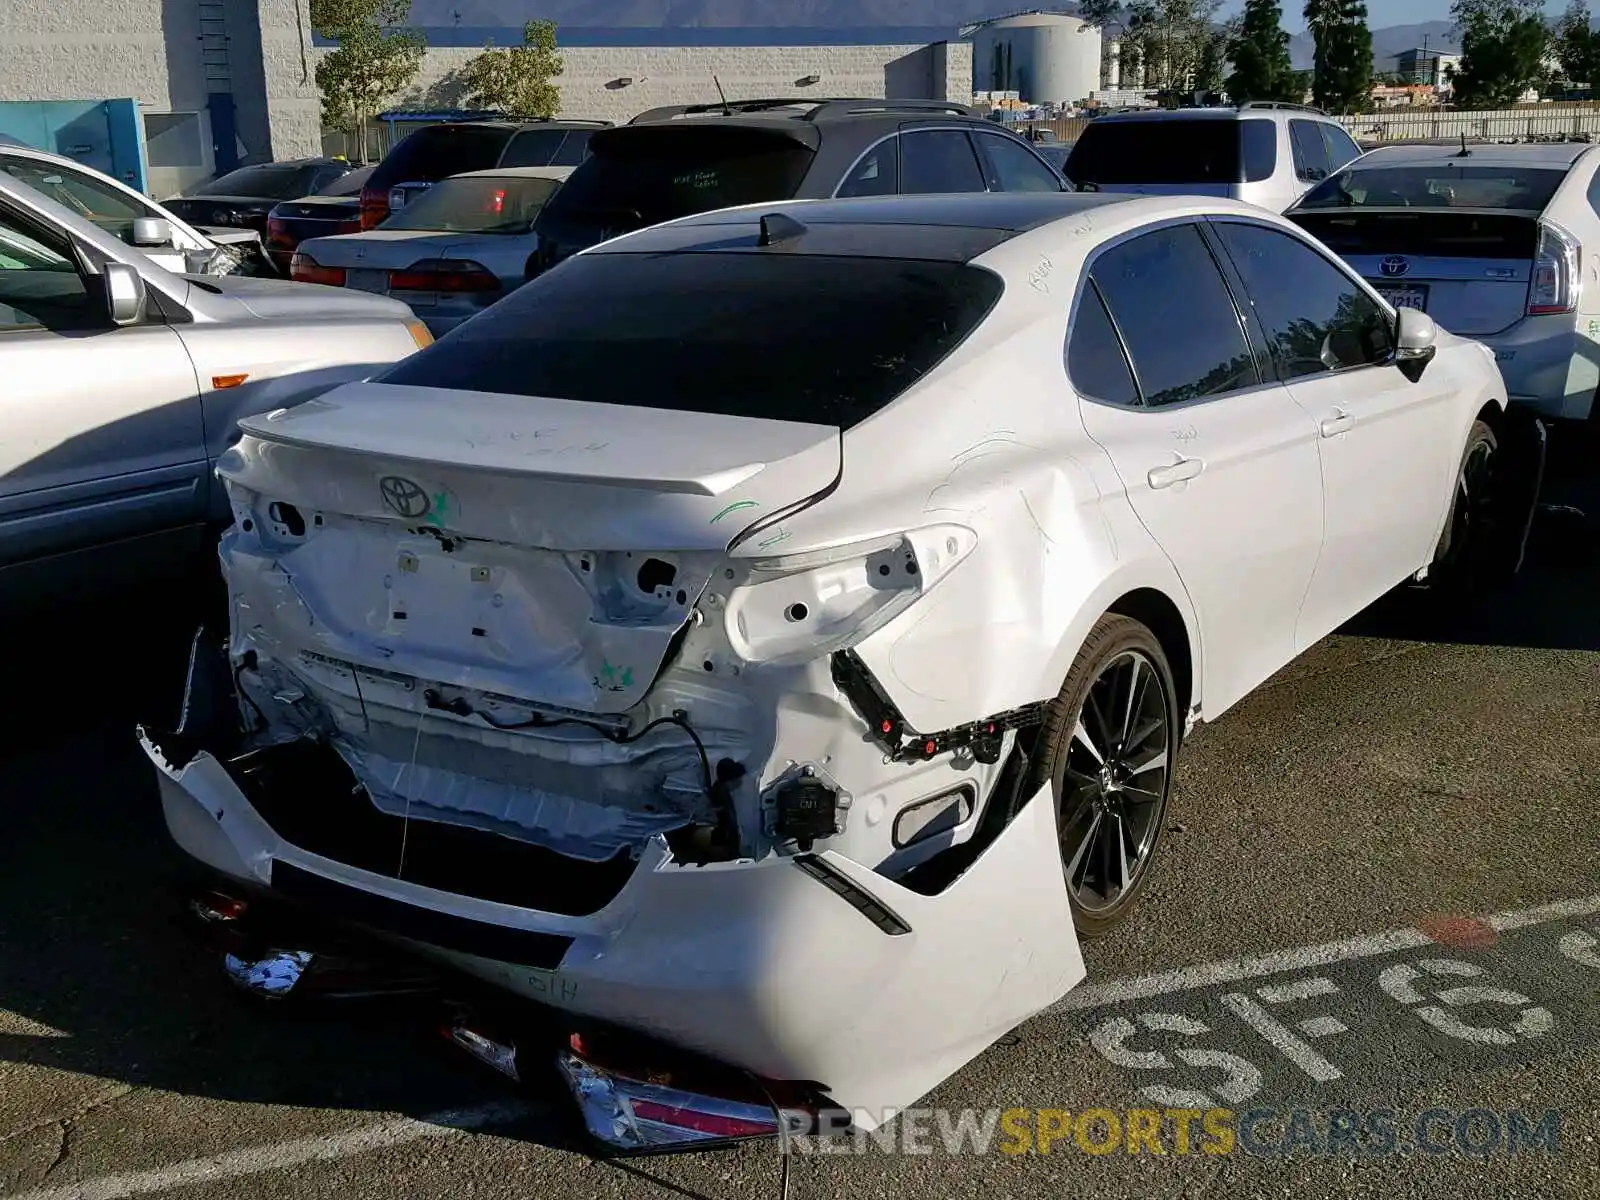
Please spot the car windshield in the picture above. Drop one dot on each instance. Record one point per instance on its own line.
(645, 175)
(348, 184)
(1437, 186)
(791, 337)
(112, 210)
(271, 182)
(481, 204)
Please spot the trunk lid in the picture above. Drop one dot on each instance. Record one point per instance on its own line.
(1469, 270)
(540, 549)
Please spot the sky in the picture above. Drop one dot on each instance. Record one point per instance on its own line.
(1381, 12)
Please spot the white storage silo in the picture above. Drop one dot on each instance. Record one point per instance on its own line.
(1050, 58)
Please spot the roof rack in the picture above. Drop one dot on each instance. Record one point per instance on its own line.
(818, 108)
(1282, 104)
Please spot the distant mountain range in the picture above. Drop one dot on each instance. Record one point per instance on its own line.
(770, 22)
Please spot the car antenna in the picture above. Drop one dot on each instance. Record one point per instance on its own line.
(776, 227)
(726, 111)
(1465, 153)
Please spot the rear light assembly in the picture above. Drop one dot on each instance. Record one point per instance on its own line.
(1557, 273)
(444, 275)
(305, 269)
(374, 208)
(277, 232)
(350, 226)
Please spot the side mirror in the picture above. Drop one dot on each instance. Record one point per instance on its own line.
(152, 231)
(1416, 342)
(125, 295)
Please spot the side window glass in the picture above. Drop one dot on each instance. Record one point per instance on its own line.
(1096, 365)
(1594, 193)
(938, 160)
(110, 209)
(1012, 167)
(40, 286)
(1258, 142)
(1316, 318)
(1310, 154)
(1340, 145)
(877, 174)
(1176, 315)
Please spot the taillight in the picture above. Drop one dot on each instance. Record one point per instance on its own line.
(351, 226)
(277, 232)
(444, 275)
(374, 207)
(1557, 277)
(305, 269)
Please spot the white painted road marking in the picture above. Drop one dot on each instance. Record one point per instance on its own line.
(1278, 1035)
(1243, 1079)
(275, 1156)
(1232, 970)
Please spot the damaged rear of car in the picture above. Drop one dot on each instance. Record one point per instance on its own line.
(567, 658)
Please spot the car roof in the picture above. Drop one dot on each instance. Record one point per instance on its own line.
(1520, 154)
(952, 227)
(517, 173)
(1213, 113)
(532, 123)
(810, 110)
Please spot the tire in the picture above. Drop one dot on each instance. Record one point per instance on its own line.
(1463, 561)
(1103, 768)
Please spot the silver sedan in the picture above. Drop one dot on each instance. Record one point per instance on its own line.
(123, 386)
(450, 253)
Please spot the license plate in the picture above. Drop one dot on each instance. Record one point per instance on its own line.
(367, 281)
(1411, 297)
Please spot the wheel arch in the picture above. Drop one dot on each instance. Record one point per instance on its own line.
(1157, 613)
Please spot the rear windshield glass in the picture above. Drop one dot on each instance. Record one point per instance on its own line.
(648, 175)
(476, 204)
(1437, 186)
(440, 151)
(1171, 152)
(1423, 234)
(270, 182)
(791, 337)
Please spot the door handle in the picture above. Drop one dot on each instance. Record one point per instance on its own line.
(1334, 426)
(1184, 468)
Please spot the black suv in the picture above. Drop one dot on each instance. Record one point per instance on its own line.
(672, 162)
(435, 152)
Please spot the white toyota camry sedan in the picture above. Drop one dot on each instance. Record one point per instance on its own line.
(769, 635)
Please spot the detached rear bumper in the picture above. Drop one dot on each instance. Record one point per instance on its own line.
(811, 969)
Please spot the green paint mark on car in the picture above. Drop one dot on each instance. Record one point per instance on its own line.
(436, 512)
(614, 678)
(733, 508)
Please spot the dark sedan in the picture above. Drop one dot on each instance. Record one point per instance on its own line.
(335, 209)
(243, 198)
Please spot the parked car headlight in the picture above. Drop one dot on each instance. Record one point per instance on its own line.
(794, 608)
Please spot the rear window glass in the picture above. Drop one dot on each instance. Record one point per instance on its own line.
(477, 204)
(1158, 152)
(534, 148)
(1423, 234)
(1437, 186)
(790, 337)
(440, 151)
(648, 175)
(271, 182)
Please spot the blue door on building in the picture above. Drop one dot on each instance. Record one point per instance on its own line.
(107, 135)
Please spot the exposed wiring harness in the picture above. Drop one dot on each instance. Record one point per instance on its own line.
(459, 707)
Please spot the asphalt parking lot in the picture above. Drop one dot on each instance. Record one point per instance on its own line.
(1380, 893)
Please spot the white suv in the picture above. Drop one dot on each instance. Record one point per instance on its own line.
(1262, 153)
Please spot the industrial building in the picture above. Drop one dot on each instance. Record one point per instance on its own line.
(209, 84)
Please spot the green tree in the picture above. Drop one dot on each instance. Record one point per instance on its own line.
(1341, 76)
(1260, 52)
(1169, 38)
(1577, 46)
(376, 57)
(519, 81)
(1211, 72)
(1503, 45)
(1100, 13)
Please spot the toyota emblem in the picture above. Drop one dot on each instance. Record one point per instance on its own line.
(1394, 266)
(404, 496)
